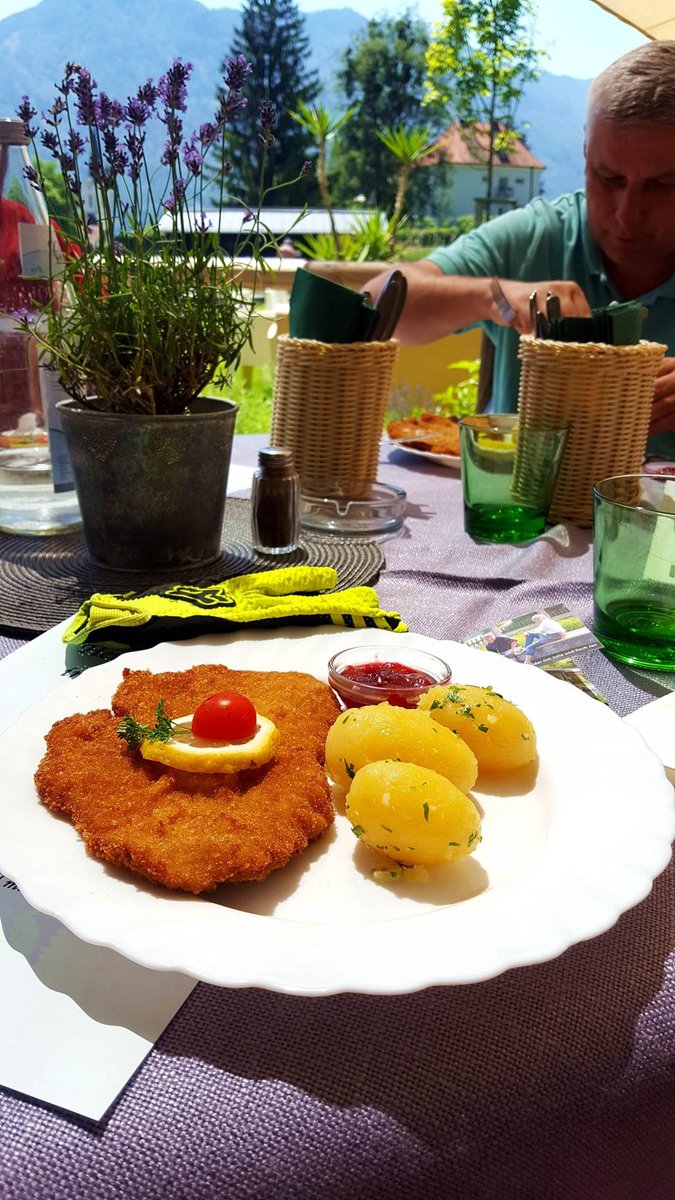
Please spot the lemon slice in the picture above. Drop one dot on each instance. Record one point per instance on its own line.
(190, 753)
(495, 444)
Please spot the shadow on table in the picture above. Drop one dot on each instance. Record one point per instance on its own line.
(513, 1087)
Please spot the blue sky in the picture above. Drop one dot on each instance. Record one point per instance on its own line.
(581, 39)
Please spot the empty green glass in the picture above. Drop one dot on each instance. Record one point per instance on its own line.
(508, 475)
(634, 569)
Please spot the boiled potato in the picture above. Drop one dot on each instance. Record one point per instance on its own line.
(499, 733)
(412, 814)
(377, 731)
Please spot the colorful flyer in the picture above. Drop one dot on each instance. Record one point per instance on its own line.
(536, 637)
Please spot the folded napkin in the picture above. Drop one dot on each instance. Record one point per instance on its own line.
(616, 325)
(325, 311)
(288, 596)
(662, 445)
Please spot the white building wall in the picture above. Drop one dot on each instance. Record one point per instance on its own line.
(520, 183)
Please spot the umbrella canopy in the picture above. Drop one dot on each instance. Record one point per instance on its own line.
(655, 18)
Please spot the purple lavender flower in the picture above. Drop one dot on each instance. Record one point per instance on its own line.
(50, 141)
(69, 74)
(194, 161)
(174, 128)
(248, 215)
(147, 93)
(115, 152)
(268, 119)
(203, 224)
(108, 112)
(208, 132)
(26, 316)
(84, 91)
(26, 112)
(174, 201)
(172, 87)
(75, 142)
(134, 143)
(58, 107)
(137, 111)
(32, 176)
(230, 106)
(236, 70)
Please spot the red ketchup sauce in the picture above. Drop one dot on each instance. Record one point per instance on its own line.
(396, 684)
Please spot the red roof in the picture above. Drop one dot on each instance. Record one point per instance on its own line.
(468, 146)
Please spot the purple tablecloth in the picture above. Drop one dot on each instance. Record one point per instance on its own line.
(555, 1081)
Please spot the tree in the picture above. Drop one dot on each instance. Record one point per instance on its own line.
(478, 63)
(55, 194)
(322, 124)
(409, 146)
(272, 38)
(382, 78)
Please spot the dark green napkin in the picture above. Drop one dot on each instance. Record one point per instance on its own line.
(661, 445)
(616, 325)
(328, 312)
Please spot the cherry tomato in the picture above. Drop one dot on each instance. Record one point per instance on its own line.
(225, 717)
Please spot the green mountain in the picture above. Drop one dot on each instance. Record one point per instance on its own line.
(123, 42)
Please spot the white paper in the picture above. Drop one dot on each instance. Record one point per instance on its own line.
(239, 479)
(656, 724)
(76, 1020)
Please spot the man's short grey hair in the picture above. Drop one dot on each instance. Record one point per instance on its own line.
(638, 87)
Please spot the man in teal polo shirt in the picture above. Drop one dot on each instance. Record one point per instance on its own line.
(614, 241)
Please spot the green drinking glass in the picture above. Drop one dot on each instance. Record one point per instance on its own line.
(634, 569)
(508, 475)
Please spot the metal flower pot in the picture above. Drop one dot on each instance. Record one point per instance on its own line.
(151, 489)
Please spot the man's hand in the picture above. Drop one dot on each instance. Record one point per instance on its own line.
(573, 302)
(663, 409)
(439, 304)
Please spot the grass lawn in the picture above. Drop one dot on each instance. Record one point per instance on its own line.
(252, 389)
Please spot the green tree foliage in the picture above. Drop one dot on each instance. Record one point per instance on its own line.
(322, 125)
(272, 38)
(55, 194)
(478, 62)
(408, 146)
(382, 77)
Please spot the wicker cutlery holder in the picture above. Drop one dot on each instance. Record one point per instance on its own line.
(605, 394)
(329, 406)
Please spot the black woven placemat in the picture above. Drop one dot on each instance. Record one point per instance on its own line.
(44, 580)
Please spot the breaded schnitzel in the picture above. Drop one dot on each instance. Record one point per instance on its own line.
(178, 828)
(429, 431)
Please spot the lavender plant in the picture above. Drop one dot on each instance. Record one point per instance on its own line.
(143, 321)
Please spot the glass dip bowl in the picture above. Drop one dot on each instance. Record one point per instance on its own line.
(373, 674)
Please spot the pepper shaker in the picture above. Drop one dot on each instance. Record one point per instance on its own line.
(275, 502)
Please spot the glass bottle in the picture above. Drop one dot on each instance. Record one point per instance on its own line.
(275, 497)
(34, 500)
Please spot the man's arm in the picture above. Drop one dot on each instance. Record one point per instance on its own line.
(439, 304)
(663, 409)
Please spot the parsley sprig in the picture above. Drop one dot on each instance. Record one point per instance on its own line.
(134, 732)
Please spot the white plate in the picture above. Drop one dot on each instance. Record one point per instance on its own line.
(452, 461)
(558, 862)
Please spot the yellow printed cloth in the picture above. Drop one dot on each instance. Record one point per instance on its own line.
(290, 595)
